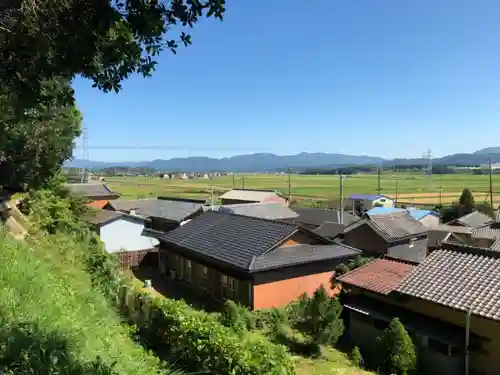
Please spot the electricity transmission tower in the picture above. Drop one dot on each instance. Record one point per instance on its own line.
(428, 167)
(85, 155)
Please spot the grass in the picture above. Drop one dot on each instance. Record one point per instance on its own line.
(50, 317)
(409, 187)
(333, 363)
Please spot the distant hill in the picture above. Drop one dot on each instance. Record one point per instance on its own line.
(261, 162)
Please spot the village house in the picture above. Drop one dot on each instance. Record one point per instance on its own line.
(122, 235)
(256, 262)
(473, 220)
(428, 218)
(92, 191)
(239, 196)
(164, 213)
(363, 202)
(397, 235)
(449, 304)
(272, 211)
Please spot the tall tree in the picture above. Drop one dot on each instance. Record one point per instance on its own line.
(466, 203)
(397, 350)
(103, 40)
(34, 146)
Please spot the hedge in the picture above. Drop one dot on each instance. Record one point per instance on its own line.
(198, 341)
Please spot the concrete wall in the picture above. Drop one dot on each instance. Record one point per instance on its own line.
(124, 234)
(366, 240)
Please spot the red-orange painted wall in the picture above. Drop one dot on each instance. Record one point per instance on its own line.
(280, 293)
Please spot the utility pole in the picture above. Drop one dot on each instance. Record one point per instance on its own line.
(440, 195)
(378, 179)
(289, 186)
(491, 182)
(341, 190)
(242, 182)
(213, 198)
(397, 190)
(233, 180)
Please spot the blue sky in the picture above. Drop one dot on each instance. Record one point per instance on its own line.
(388, 78)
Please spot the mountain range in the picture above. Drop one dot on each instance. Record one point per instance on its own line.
(260, 162)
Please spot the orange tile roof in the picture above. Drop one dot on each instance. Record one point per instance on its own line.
(98, 204)
(380, 276)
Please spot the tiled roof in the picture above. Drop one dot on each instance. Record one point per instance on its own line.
(91, 190)
(458, 280)
(370, 197)
(329, 230)
(475, 219)
(416, 213)
(380, 276)
(392, 227)
(301, 254)
(231, 239)
(101, 217)
(249, 195)
(264, 210)
(166, 208)
(318, 216)
(491, 231)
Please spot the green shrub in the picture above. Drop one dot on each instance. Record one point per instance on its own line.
(397, 353)
(237, 317)
(200, 343)
(356, 357)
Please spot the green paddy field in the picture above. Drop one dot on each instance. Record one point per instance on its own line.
(406, 187)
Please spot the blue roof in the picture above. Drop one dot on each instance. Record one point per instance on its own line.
(420, 214)
(414, 212)
(383, 210)
(370, 197)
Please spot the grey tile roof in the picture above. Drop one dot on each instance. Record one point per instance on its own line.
(329, 230)
(392, 227)
(317, 216)
(458, 280)
(475, 219)
(254, 195)
(491, 231)
(301, 254)
(101, 217)
(232, 239)
(91, 190)
(452, 228)
(170, 209)
(261, 210)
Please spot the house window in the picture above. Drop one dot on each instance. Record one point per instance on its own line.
(412, 243)
(229, 286)
(186, 269)
(441, 347)
(382, 199)
(205, 276)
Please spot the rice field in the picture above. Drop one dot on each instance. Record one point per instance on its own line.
(405, 187)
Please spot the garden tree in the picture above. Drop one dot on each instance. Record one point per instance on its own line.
(466, 200)
(397, 353)
(34, 146)
(103, 40)
(321, 318)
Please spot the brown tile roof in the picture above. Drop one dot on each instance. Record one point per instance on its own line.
(458, 280)
(380, 276)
